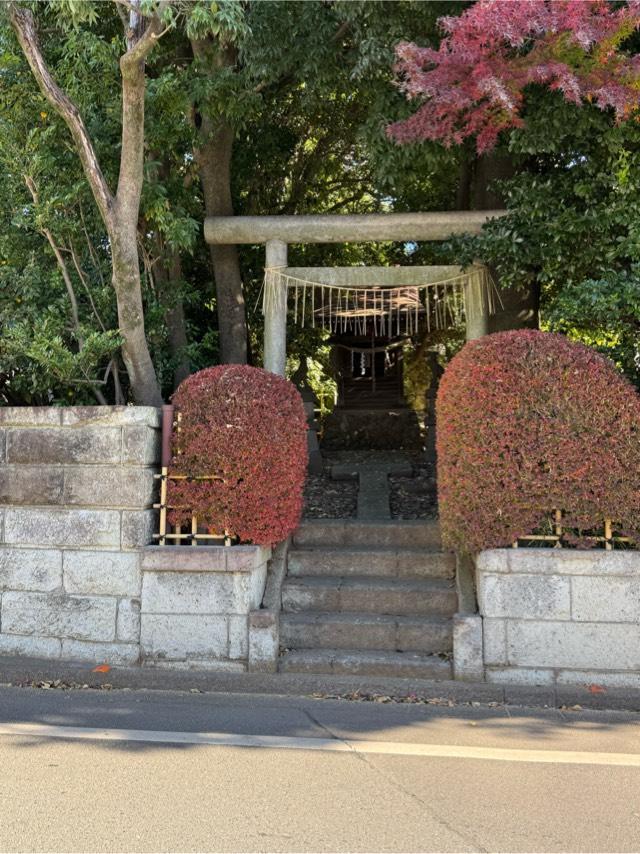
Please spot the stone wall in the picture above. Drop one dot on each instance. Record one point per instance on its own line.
(79, 578)
(76, 495)
(560, 616)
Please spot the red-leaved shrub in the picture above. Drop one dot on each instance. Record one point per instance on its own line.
(246, 427)
(528, 423)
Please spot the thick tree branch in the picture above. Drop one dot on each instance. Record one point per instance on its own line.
(212, 153)
(130, 178)
(139, 51)
(24, 26)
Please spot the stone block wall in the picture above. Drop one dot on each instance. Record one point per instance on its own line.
(79, 578)
(76, 493)
(560, 616)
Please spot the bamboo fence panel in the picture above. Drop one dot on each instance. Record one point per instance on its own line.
(174, 535)
(607, 539)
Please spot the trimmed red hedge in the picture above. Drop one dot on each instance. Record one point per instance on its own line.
(248, 427)
(527, 423)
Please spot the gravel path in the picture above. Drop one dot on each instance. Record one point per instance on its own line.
(414, 497)
(409, 497)
(325, 498)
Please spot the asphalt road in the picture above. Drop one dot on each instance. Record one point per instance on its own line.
(156, 771)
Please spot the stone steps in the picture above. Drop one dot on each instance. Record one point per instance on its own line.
(368, 598)
(372, 428)
(318, 630)
(396, 596)
(347, 532)
(389, 562)
(408, 665)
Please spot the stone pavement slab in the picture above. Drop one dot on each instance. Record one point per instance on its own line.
(373, 481)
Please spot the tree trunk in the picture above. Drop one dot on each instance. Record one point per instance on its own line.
(520, 305)
(167, 272)
(126, 283)
(119, 213)
(124, 229)
(213, 156)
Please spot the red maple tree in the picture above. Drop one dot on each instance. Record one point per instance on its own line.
(473, 85)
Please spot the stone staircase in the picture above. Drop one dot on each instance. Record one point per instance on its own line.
(368, 598)
(361, 394)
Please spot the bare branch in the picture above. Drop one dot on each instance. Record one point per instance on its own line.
(115, 363)
(61, 262)
(123, 15)
(92, 252)
(102, 400)
(112, 368)
(342, 30)
(85, 284)
(57, 251)
(147, 264)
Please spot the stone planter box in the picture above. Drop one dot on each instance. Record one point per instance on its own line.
(559, 616)
(197, 602)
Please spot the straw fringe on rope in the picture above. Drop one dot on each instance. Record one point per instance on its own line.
(391, 310)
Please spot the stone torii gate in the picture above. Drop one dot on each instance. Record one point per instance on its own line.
(278, 231)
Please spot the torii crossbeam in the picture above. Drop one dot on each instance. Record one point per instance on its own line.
(278, 231)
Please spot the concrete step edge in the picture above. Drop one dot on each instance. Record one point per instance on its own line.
(327, 617)
(365, 662)
(371, 582)
(381, 654)
(374, 550)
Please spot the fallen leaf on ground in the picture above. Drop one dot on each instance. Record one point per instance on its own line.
(101, 668)
(596, 689)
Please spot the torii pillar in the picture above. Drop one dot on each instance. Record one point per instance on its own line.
(275, 318)
(476, 302)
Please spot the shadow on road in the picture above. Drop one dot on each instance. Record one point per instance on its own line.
(437, 721)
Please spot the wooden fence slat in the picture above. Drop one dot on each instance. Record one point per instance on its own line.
(163, 506)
